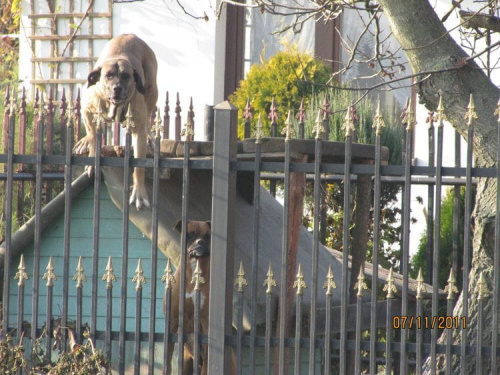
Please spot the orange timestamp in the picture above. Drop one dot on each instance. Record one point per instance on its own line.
(429, 322)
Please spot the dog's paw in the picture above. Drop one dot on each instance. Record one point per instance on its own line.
(90, 170)
(139, 196)
(82, 146)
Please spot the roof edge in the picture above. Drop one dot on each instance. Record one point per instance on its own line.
(24, 235)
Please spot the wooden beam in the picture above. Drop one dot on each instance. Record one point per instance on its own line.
(70, 15)
(67, 37)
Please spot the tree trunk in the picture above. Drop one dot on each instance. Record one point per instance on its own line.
(430, 48)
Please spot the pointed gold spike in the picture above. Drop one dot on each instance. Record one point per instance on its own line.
(21, 274)
(482, 287)
(409, 116)
(471, 114)
(79, 276)
(319, 128)
(197, 279)
(348, 123)
(420, 287)
(288, 131)
(378, 120)
(139, 278)
(361, 284)
(188, 131)
(13, 105)
(109, 275)
(157, 123)
(440, 112)
(390, 288)
(330, 282)
(299, 282)
(98, 118)
(269, 281)
(129, 120)
(258, 133)
(168, 277)
(240, 279)
(451, 288)
(50, 276)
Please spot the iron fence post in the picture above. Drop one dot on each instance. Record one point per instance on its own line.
(222, 260)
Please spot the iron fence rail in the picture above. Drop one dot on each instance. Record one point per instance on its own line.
(398, 344)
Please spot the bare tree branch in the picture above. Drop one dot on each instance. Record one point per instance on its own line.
(480, 20)
(204, 17)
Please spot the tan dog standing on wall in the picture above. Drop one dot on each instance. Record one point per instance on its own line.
(125, 74)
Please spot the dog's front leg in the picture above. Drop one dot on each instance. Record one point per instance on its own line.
(139, 194)
(87, 143)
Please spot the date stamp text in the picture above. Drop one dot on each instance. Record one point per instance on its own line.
(429, 322)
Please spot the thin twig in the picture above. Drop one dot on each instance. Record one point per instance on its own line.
(78, 27)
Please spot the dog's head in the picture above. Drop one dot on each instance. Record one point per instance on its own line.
(119, 79)
(198, 238)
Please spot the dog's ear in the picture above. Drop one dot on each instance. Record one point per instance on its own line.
(94, 77)
(209, 224)
(138, 83)
(178, 226)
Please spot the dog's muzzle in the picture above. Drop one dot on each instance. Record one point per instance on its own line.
(199, 249)
(117, 95)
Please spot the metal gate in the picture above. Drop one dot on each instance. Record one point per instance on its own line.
(338, 326)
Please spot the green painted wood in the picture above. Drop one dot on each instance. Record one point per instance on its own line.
(81, 245)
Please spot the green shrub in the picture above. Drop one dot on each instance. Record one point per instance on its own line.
(287, 77)
(340, 100)
(419, 260)
(391, 138)
(10, 14)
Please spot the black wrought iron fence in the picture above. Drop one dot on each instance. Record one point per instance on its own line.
(299, 307)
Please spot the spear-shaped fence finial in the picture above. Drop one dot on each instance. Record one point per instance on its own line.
(139, 278)
(109, 275)
(378, 120)
(348, 123)
(129, 120)
(451, 287)
(240, 279)
(299, 282)
(79, 276)
(258, 133)
(21, 274)
(409, 116)
(390, 288)
(168, 277)
(361, 284)
(440, 112)
(50, 275)
(482, 287)
(330, 282)
(319, 128)
(269, 281)
(470, 114)
(197, 279)
(420, 287)
(288, 131)
(158, 124)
